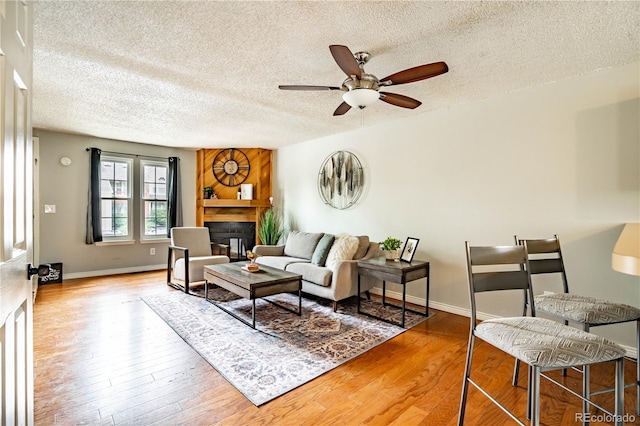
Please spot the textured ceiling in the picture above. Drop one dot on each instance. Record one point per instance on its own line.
(206, 74)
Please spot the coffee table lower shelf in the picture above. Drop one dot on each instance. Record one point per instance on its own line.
(252, 285)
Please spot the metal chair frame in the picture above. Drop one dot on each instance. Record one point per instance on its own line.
(501, 279)
(552, 262)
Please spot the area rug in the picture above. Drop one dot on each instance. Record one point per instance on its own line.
(285, 350)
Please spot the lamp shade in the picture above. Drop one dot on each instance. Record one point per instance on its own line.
(626, 253)
(361, 97)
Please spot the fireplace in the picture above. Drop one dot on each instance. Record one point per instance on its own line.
(240, 236)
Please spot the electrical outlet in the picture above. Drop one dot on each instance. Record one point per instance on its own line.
(152, 251)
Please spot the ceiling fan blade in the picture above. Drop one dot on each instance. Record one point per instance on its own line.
(345, 60)
(342, 109)
(302, 87)
(399, 100)
(418, 73)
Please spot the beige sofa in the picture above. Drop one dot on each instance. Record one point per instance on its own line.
(327, 263)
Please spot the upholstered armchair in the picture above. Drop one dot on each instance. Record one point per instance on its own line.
(189, 252)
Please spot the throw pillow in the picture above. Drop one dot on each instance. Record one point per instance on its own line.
(322, 250)
(343, 248)
(363, 247)
(301, 244)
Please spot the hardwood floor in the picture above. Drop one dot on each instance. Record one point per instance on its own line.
(103, 357)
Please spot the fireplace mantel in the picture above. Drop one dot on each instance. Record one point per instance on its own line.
(218, 210)
(216, 202)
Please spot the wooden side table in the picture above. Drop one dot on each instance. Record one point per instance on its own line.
(396, 272)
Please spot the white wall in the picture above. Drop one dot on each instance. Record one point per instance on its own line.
(62, 235)
(563, 158)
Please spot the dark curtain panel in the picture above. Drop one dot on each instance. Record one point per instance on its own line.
(94, 224)
(174, 207)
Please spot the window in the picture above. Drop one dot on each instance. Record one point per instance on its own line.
(134, 199)
(116, 197)
(154, 199)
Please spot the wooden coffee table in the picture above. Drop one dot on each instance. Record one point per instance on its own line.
(252, 285)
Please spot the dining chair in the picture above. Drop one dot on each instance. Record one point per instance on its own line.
(545, 257)
(541, 343)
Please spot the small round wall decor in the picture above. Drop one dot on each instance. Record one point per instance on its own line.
(340, 180)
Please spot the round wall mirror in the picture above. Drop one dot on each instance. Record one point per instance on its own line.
(340, 180)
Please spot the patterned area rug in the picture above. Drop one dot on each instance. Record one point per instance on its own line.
(285, 350)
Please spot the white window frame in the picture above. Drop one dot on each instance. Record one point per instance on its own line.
(129, 199)
(143, 200)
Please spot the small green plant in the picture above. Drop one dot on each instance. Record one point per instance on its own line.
(270, 230)
(208, 192)
(391, 244)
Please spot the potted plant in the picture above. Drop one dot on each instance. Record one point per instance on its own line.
(208, 192)
(391, 247)
(271, 226)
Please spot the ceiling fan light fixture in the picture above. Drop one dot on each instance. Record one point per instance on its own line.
(361, 98)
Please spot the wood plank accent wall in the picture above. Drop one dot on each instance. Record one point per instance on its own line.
(227, 208)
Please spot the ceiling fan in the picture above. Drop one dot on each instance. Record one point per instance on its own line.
(362, 89)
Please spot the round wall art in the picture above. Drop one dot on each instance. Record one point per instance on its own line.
(340, 180)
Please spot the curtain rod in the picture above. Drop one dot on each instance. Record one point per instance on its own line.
(131, 155)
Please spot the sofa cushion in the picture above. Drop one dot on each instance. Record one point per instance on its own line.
(196, 266)
(314, 274)
(363, 247)
(279, 262)
(322, 250)
(301, 244)
(343, 248)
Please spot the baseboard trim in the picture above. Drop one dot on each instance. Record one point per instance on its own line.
(631, 351)
(435, 305)
(133, 269)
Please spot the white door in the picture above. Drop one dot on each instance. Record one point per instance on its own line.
(16, 214)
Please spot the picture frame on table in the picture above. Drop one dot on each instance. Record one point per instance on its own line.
(409, 249)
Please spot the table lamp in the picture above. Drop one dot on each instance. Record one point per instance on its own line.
(626, 253)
